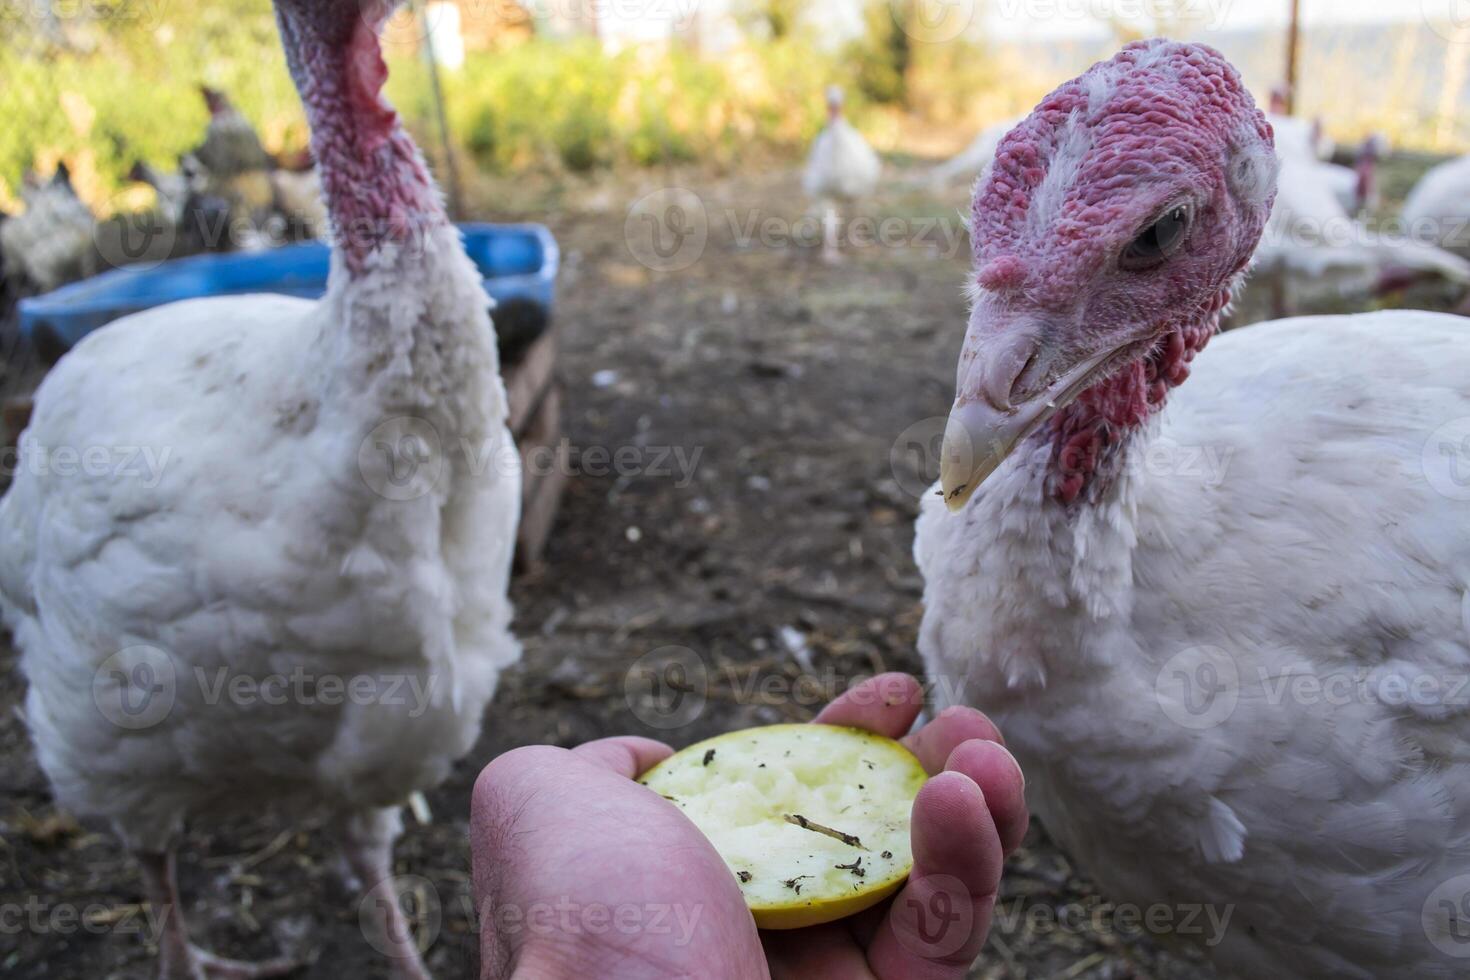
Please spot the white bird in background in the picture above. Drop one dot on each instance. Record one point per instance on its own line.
(1305, 144)
(1356, 187)
(49, 243)
(1218, 604)
(1438, 208)
(842, 168)
(1299, 138)
(1316, 251)
(320, 498)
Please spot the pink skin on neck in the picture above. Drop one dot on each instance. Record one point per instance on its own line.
(375, 183)
(1087, 436)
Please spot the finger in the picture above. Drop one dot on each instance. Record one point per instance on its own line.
(886, 704)
(935, 741)
(823, 952)
(509, 778)
(627, 755)
(1000, 779)
(937, 924)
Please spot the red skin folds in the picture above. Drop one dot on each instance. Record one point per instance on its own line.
(1086, 432)
(376, 186)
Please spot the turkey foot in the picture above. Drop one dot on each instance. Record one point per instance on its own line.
(178, 959)
(213, 967)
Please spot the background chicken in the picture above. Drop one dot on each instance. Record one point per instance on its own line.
(50, 242)
(237, 169)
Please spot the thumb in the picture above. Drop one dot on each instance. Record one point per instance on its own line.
(627, 755)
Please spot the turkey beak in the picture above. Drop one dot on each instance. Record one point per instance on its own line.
(1012, 379)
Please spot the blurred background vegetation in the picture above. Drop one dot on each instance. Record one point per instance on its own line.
(106, 83)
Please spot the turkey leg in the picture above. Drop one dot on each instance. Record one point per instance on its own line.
(178, 959)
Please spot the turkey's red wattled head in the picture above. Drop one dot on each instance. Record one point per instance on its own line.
(375, 182)
(1108, 234)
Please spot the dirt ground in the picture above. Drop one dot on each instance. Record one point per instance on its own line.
(765, 527)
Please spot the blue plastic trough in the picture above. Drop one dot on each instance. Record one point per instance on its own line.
(519, 263)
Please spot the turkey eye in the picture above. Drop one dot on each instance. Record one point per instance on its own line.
(1161, 240)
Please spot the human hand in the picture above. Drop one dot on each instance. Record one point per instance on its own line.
(579, 871)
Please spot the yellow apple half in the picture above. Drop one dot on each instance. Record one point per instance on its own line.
(813, 820)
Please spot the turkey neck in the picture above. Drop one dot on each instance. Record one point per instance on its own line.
(377, 188)
(405, 323)
(1055, 528)
(1093, 438)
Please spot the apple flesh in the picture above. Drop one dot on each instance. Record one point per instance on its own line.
(813, 820)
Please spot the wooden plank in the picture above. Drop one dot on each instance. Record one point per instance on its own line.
(527, 380)
(1293, 46)
(542, 486)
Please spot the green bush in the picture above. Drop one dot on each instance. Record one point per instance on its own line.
(571, 105)
(119, 90)
(124, 86)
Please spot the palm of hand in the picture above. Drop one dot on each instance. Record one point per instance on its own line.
(582, 872)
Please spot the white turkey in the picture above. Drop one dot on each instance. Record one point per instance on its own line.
(332, 497)
(1314, 251)
(842, 168)
(1438, 208)
(1295, 136)
(1306, 142)
(1356, 187)
(1215, 597)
